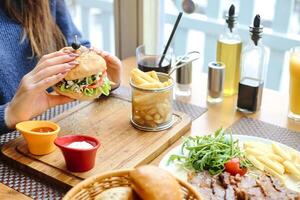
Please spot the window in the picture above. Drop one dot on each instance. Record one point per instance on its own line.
(95, 20)
(200, 30)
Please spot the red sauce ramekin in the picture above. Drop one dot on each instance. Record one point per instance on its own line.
(78, 160)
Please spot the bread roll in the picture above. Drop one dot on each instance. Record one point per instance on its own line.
(153, 183)
(117, 193)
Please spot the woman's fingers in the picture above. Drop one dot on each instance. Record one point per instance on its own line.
(53, 70)
(52, 55)
(113, 63)
(56, 61)
(102, 53)
(49, 82)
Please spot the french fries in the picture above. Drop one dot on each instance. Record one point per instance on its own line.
(274, 165)
(275, 174)
(153, 75)
(150, 108)
(256, 162)
(143, 75)
(279, 151)
(292, 169)
(261, 152)
(274, 159)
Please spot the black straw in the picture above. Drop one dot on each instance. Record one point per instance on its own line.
(170, 39)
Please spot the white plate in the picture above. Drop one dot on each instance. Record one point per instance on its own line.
(177, 171)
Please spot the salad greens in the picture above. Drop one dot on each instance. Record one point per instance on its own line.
(209, 152)
(105, 88)
(89, 86)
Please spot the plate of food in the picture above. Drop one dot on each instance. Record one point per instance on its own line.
(226, 166)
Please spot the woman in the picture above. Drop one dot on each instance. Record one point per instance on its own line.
(31, 33)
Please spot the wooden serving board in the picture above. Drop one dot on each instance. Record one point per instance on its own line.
(122, 146)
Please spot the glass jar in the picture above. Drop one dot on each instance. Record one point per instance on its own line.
(152, 109)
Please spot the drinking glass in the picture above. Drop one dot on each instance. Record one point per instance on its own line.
(294, 106)
(148, 59)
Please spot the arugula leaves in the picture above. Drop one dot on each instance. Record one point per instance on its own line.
(209, 152)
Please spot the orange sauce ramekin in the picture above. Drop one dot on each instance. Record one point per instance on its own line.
(39, 143)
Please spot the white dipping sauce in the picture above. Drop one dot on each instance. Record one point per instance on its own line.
(80, 145)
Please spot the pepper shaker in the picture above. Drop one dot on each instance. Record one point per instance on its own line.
(215, 82)
(184, 80)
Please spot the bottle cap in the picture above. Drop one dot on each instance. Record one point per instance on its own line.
(231, 17)
(256, 30)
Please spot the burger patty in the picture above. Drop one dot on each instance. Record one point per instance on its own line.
(227, 187)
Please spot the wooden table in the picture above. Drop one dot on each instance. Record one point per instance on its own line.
(9, 193)
(273, 110)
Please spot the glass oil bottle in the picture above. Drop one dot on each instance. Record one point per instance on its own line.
(229, 47)
(255, 57)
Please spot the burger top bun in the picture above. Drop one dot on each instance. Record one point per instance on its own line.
(153, 183)
(90, 63)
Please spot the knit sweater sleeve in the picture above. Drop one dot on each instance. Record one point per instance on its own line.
(3, 127)
(66, 24)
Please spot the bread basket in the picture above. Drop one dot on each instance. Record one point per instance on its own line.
(94, 185)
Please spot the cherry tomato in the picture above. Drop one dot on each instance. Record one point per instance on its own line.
(233, 167)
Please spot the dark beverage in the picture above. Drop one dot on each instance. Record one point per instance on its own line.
(150, 63)
(250, 94)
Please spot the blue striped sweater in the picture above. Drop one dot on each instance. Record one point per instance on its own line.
(15, 59)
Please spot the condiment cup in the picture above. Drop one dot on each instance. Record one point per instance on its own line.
(78, 160)
(39, 143)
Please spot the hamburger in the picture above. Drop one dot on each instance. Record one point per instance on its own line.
(87, 80)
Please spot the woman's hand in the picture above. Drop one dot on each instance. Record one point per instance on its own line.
(114, 67)
(31, 98)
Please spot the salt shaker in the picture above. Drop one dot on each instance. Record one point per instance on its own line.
(184, 79)
(215, 83)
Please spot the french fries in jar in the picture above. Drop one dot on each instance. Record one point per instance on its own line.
(152, 95)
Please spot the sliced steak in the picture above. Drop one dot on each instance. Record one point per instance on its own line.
(250, 187)
(225, 179)
(289, 194)
(255, 193)
(227, 187)
(266, 185)
(247, 182)
(229, 193)
(217, 189)
(241, 194)
(202, 182)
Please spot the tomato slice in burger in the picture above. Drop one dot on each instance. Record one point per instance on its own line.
(92, 86)
(233, 167)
